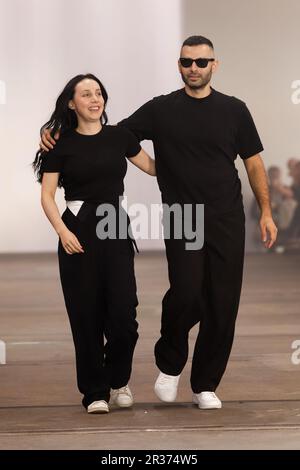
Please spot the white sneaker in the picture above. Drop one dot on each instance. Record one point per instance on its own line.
(121, 397)
(207, 400)
(166, 387)
(99, 406)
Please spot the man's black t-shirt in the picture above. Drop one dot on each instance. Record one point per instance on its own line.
(196, 142)
(92, 166)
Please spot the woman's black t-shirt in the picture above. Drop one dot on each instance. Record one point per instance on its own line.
(92, 167)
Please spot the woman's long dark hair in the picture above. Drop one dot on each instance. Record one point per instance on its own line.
(64, 119)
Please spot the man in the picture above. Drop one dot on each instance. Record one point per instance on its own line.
(197, 133)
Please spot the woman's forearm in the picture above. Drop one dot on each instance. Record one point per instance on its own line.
(52, 212)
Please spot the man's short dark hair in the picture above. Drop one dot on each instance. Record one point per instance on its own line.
(197, 41)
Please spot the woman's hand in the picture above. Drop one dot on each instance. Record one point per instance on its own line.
(70, 242)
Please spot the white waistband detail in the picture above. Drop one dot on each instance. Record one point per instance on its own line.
(74, 206)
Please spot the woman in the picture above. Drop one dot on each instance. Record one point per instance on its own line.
(97, 274)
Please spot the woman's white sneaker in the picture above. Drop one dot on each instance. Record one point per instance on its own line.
(166, 387)
(207, 400)
(98, 407)
(121, 397)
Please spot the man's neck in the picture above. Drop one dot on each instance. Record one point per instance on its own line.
(199, 92)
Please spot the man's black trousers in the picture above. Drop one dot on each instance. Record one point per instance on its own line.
(205, 286)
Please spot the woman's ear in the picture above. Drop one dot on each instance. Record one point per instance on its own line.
(71, 105)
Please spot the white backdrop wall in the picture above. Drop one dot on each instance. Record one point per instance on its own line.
(133, 46)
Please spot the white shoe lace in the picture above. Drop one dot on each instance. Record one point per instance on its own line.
(124, 390)
(166, 379)
(210, 395)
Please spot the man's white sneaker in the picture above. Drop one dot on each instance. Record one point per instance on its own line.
(207, 400)
(166, 387)
(99, 406)
(121, 397)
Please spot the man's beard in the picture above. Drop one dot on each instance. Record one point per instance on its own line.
(201, 84)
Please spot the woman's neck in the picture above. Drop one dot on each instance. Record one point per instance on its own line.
(89, 128)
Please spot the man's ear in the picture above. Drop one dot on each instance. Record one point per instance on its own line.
(215, 66)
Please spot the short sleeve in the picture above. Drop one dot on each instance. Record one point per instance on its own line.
(132, 144)
(141, 122)
(248, 140)
(52, 162)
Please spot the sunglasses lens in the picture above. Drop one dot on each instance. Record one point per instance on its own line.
(186, 62)
(201, 63)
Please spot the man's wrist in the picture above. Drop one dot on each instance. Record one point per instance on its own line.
(266, 212)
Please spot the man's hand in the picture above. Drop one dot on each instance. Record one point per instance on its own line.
(70, 242)
(47, 143)
(268, 230)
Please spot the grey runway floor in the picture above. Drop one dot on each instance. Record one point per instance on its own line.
(39, 402)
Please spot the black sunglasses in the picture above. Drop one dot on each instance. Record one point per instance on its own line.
(201, 63)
